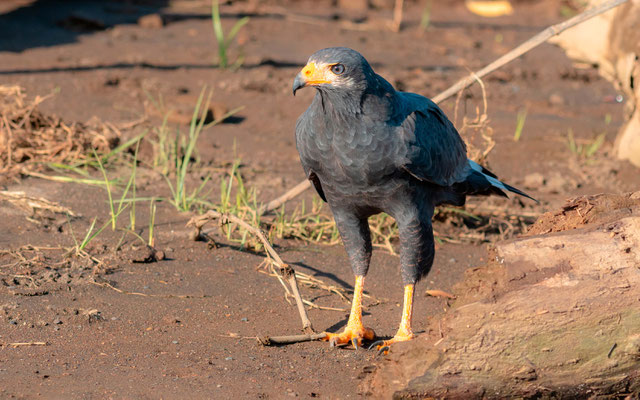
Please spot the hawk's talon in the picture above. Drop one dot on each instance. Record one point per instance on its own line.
(383, 350)
(378, 343)
(354, 343)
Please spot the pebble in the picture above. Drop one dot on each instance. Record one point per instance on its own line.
(533, 181)
(556, 100)
(151, 21)
(218, 110)
(175, 342)
(229, 358)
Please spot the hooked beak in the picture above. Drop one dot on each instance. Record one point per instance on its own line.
(298, 83)
(311, 75)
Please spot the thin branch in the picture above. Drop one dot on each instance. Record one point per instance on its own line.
(463, 83)
(285, 270)
(22, 344)
(292, 193)
(277, 340)
(396, 24)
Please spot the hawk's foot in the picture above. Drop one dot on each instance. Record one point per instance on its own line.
(383, 346)
(353, 333)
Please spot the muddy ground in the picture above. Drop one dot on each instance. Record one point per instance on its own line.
(183, 327)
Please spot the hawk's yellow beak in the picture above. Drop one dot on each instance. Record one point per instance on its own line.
(311, 75)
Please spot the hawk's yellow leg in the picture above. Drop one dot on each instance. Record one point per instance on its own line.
(354, 332)
(404, 331)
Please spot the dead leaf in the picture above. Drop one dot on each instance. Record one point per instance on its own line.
(439, 293)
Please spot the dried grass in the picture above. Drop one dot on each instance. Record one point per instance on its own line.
(476, 130)
(30, 139)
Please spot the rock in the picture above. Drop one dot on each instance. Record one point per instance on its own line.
(533, 181)
(218, 110)
(144, 254)
(151, 21)
(556, 99)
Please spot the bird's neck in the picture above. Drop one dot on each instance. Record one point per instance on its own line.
(346, 104)
(339, 105)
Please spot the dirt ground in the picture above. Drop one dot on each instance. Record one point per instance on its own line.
(184, 327)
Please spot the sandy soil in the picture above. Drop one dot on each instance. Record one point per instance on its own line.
(183, 327)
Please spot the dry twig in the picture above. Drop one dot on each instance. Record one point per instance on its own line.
(23, 344)
(168, 296)
(277, 340)
(20, 199)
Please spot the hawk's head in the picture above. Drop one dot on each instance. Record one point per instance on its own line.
(335, 68)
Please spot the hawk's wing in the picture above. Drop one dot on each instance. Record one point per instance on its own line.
(435, 152)
(304, 134)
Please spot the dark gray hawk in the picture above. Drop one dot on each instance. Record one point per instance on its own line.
(368, 148)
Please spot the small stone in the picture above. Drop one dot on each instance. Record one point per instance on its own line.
(556, 100)
(526, 373)
(174, 342)
(218, 110)
(57, 321)
(244, 319)
(151, 21)
(229, 358)
(533, 181)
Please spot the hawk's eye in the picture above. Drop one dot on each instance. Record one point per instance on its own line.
(337, 69)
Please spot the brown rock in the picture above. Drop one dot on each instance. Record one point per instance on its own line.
(219, 110)
(151, 21)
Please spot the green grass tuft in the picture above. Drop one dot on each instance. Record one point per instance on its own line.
(224, 43)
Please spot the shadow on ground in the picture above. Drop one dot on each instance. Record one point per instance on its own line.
(43, 23)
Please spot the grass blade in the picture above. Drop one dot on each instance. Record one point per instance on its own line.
(522, 117)
(219, 33)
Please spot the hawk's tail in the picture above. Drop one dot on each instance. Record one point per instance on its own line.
(481, 181)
